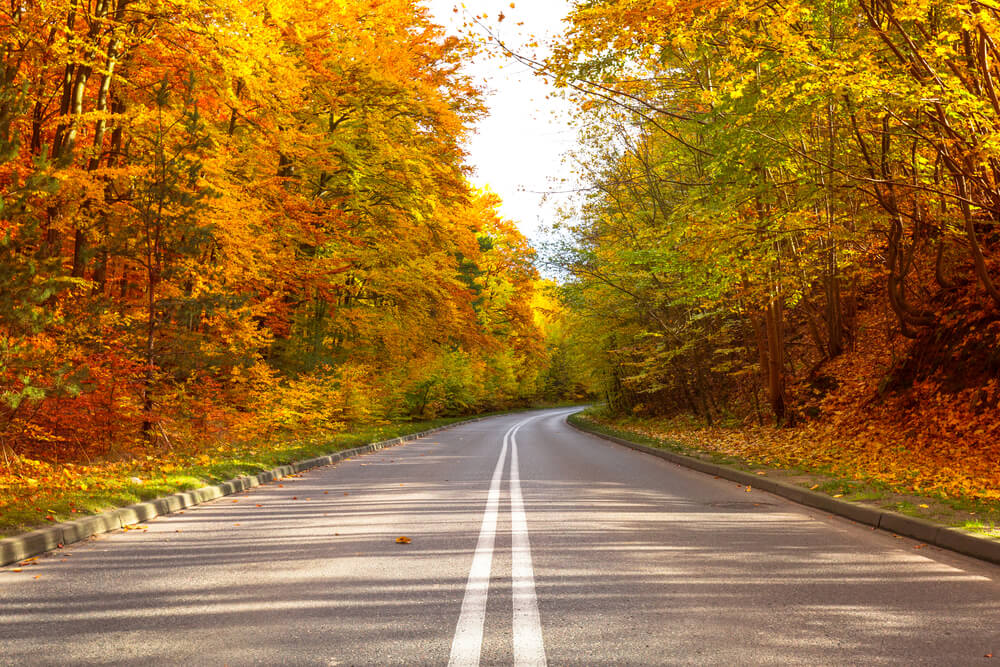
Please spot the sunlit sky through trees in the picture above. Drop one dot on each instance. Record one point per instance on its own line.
(517, 149)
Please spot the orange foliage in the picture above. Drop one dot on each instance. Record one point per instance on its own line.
(926, 439)
(229, 220)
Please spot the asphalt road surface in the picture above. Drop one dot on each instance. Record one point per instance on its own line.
(530, 544)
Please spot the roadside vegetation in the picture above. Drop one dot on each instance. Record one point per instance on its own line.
(786, 248)
(217, 253)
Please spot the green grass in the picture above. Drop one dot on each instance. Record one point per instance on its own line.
(985, 528)
(40, 506)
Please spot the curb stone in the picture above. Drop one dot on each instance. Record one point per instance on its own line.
(19, 547)
(944, 537)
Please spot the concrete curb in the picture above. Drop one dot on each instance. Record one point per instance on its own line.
(19, 547)
(924, 531)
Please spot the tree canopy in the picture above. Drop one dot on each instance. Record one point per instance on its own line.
(224, 218)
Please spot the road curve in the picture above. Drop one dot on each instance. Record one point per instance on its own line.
(530, 543)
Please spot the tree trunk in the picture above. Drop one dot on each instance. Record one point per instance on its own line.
(834, 314)
(770, 347)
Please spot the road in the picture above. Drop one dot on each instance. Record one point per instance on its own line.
(530, 542)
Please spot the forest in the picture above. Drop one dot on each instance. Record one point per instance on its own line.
(228, 228)
(786, 246)
(229, 222)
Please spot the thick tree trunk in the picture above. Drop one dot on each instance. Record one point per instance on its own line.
(770, 348)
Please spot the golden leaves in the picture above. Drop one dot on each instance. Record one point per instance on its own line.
(365, 249)
(403, 540)
(865, 447)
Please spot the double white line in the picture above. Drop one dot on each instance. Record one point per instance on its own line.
(528, 646)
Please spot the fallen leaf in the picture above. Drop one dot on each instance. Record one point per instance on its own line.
(814, 486)
(402, 540)
(17, 569)
(747, 489)
(926, 507)
(838, 495)
(259, 505)
(761, 473)
(295, 497)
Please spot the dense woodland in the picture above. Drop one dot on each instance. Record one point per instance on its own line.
(790, 216)
(227, 221)
(232, 219)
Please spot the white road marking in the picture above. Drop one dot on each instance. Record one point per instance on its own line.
(529, 649)
(467, 645)
(468, 641)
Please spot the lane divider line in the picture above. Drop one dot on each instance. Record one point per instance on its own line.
(468, 641)
(529, 648)
(467, 645)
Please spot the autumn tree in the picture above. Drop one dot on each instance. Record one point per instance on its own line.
(246, 217)
(787, 158)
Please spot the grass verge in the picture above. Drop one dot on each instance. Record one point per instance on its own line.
(41, 493)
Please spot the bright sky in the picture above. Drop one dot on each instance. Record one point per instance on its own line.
(517, 149)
